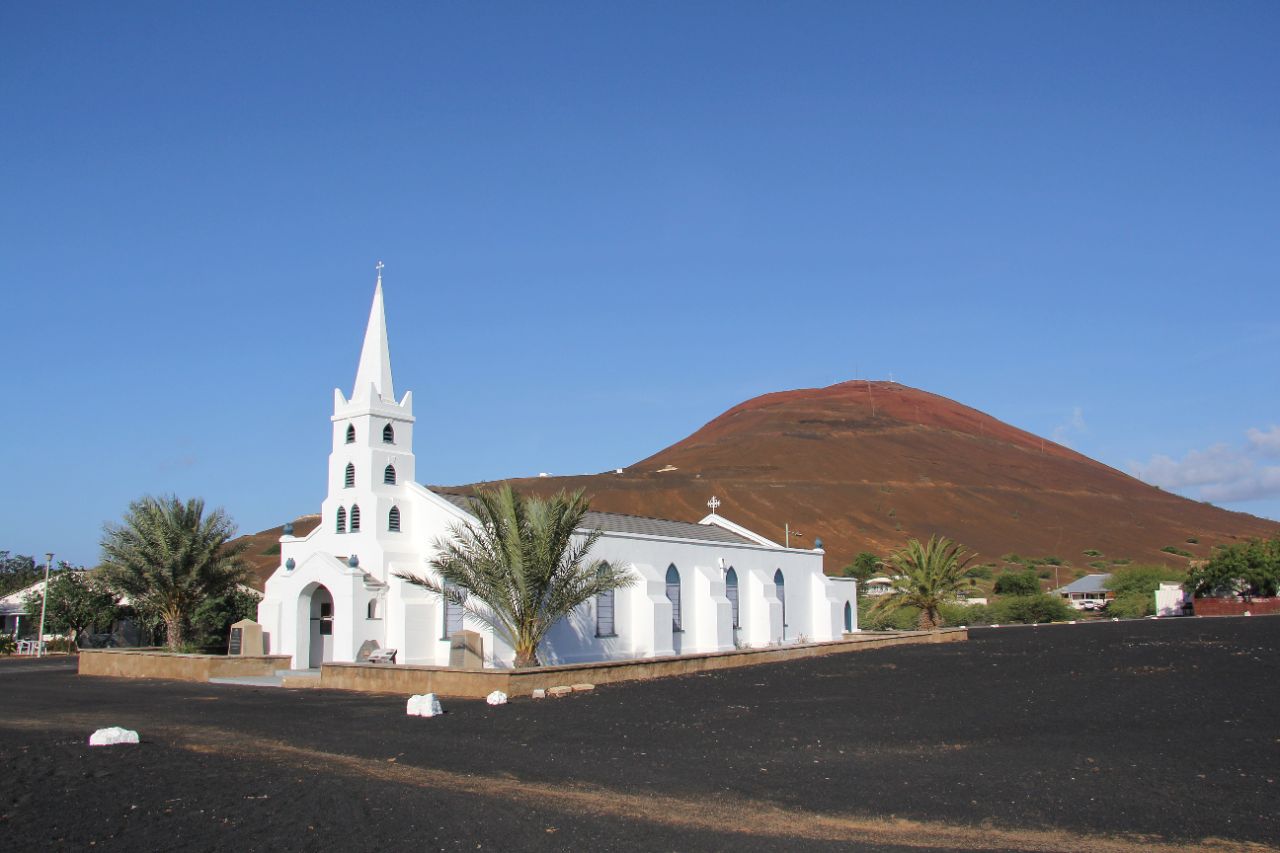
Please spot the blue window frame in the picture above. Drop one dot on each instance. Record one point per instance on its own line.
(731, 593)
(673, 595)
(604, 609)
(780, 587)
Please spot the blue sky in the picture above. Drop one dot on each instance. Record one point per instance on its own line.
(604, 224)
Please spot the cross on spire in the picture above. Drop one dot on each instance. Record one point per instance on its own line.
(378, 267)
(714, 504)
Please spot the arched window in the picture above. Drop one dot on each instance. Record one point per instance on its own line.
(342, 521)
(452, 615)
(389, 475)
(393, 520)
(355, 517)
(731, 593)
(351, 433)
(604, 609)
(349, 480)
(673, 595)
(848, 617)
(388, 435)
(780, 587)
(373, 609)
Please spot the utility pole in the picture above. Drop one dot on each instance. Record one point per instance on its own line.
(44, 602)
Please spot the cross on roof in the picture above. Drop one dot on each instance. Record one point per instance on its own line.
(714, 503)
(378, 267)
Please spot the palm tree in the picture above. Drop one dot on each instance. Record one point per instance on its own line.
(522, 568)
(926, 576)
(169, 556)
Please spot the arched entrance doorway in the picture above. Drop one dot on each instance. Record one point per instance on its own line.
(320, 648)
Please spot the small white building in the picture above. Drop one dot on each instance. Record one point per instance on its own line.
(701, 587)
(876, 587)
(1087, 593)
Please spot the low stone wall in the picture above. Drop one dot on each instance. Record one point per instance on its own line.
(475, 684)
(1235, 606)
(149, 663)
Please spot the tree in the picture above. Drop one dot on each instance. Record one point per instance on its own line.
(1135, 587)
(169, 556)
(76, 602)
(1250, 568)
(522, 567)
(212, 620)
(864, 566)
(1025, 582)
(17, 572)
(926, 576)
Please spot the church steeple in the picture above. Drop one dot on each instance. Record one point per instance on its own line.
(375, 355)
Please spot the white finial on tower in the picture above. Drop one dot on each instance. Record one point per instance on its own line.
(714, 504)
(375, 355)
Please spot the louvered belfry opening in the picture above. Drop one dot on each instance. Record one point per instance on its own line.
(393, 520)
(349, 481)
(351, 434)
(388, 434)
(341, 526)
(389, 475)
(355, 517)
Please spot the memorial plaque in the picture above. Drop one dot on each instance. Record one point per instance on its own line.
(246, 639)
(466, 650)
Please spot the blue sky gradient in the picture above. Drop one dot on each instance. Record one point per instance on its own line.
(604, 224)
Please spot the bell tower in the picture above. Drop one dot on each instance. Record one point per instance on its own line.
(372, 453)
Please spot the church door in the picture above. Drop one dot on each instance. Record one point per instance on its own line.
(321, 628)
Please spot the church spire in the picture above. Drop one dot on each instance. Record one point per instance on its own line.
(375, 355)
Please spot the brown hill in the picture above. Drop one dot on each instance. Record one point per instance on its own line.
(866, 465)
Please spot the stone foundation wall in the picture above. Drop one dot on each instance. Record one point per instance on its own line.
(475, 684)
(148, 663)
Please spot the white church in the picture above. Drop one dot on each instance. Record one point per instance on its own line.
(705, 587)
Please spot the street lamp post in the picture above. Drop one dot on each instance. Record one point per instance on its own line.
(44, 601)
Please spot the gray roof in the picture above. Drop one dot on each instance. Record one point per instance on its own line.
(1088, 583)
(614, 522)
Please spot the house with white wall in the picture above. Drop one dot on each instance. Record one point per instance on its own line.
(704, 586)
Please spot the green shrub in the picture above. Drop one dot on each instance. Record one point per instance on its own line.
(954, 615)
(1034, 609)
(1011, 558)
(1131, 605)
(1173, 549)
(8, 645)
(1051, 560)
(1098, 564)
(905, 618)
(1121, 561)
(1191, 540)
(982, 572)
(1018, 583)
(1091, 552)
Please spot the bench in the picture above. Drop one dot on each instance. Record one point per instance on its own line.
(383, 656)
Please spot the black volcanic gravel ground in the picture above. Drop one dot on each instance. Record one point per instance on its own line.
(1059, 737)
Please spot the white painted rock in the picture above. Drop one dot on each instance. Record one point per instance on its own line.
(540, 693)
(424, 705)
(112, 736)
(580, 688)
(497, 697)
(559, 691)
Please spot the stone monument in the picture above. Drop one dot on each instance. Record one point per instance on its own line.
(246, 639)
(466, 650)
